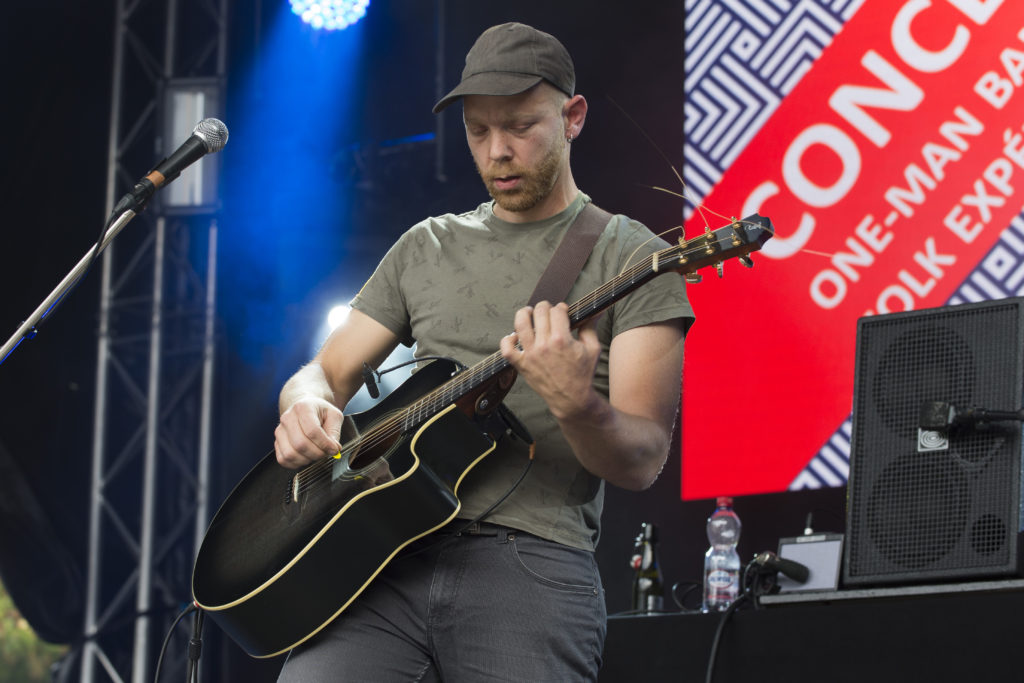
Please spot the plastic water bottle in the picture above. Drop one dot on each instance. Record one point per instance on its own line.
(722, 562)
(648, 591)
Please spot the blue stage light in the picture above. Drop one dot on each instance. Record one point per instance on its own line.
(287, 218)
(330, 14)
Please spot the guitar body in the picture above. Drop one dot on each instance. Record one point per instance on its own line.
(278, 564)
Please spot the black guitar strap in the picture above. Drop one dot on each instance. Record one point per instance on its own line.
(572, 252)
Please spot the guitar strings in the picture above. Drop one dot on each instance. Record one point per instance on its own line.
(434, 401)
(686, 193)
(426, 406)
(398, 421)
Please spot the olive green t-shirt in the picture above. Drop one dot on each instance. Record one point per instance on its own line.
(452, 285)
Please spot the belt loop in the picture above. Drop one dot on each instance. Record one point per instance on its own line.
(505, 535)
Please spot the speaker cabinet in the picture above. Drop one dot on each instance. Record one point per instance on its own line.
(946, 504)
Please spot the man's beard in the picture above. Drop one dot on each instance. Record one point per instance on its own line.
(534, 186)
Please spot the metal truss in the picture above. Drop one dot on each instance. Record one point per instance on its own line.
(155, 359)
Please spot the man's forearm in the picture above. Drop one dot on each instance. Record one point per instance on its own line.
(309, 381)
(626, 450)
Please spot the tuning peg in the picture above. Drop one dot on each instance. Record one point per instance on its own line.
(720, 269)
(747, 261)
(694, 278)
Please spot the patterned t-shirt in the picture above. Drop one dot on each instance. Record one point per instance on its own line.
(452, 285)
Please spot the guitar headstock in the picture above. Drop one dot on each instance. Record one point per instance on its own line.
(736, 240)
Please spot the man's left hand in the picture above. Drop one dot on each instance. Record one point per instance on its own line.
(557, 364)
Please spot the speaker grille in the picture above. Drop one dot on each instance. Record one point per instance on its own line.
(921, 508)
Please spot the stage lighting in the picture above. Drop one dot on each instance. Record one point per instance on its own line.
(337, 316)
(330, 14)
(186, 102)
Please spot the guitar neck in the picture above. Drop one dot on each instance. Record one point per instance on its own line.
(451, 391)
(738, 239)
(592, 304)
(589, 306)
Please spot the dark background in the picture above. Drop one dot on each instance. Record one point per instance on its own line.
(57, 77)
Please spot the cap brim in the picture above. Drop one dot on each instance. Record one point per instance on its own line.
(490, 83)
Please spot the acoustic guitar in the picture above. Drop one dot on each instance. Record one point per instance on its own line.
(289, 550)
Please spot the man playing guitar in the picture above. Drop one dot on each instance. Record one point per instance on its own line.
(517, 596)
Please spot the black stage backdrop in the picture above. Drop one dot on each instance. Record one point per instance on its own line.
(57, 72)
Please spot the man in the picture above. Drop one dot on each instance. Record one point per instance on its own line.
(518, 597)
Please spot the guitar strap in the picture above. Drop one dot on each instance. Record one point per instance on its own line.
(572, 252)
(554, 285)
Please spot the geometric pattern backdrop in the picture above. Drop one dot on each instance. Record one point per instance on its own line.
(945, 61)
(742, 58)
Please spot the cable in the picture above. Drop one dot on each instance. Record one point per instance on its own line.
(195, 647)
(713, 654)
(511, 489)
(681, 601)
(458, 365)
(167, 639)
(747, 581)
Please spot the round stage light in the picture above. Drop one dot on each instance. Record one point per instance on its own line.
(330, 15)
(337, 315)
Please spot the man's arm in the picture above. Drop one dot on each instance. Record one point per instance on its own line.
(312, 400)
(623, 439)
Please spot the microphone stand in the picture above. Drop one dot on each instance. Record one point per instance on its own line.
(26, 330)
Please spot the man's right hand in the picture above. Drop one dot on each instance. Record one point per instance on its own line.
(309, 430)
(311, 419)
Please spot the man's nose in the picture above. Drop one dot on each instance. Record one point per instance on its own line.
(500, 149)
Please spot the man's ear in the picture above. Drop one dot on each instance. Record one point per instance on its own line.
(575, 112)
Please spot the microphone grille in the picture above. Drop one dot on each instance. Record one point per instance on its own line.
(213, 133)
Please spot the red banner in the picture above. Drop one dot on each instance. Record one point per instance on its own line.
(888, 172)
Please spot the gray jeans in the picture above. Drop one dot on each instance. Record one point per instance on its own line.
(498, 605)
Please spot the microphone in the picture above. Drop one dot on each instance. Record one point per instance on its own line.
(371, 385)
(941, 415)
(209, 135)
(773, 562)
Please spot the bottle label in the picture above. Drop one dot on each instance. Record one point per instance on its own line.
(721, 580)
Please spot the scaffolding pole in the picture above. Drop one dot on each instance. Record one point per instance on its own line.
(155, 356)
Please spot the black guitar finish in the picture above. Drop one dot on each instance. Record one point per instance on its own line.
(273, 574)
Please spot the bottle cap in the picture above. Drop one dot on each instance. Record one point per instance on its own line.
(724, 501)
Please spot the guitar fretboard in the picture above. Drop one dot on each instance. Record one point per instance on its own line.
(737, 239)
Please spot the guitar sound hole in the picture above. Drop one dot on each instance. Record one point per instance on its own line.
(365, 457)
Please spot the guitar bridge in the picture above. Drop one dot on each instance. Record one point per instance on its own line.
(292, 493)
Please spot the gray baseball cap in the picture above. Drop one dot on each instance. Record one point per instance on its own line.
(512, 58)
